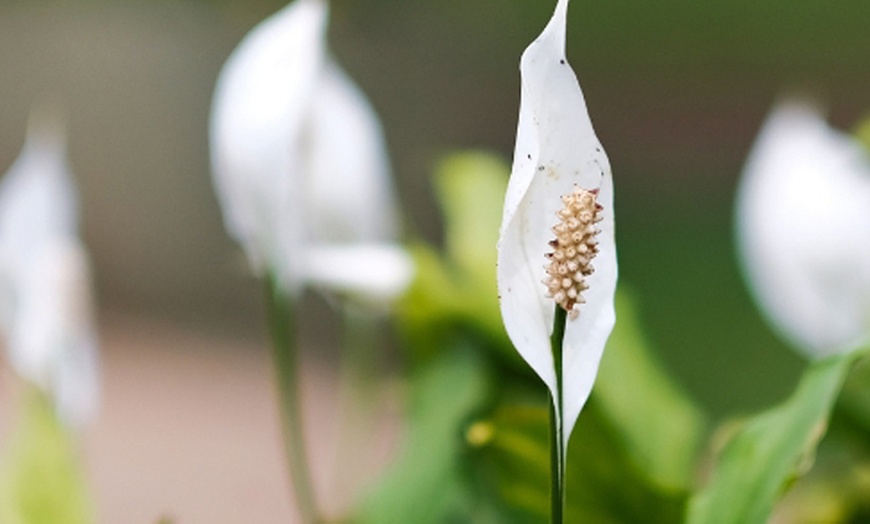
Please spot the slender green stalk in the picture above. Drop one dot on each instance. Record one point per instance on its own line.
(357, 396)
(279, 309)
(557, 458)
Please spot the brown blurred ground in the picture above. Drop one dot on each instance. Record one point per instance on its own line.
(188, 429)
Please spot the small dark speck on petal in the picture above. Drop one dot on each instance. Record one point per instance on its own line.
(530, 156)
(540, 168)
(562, 61)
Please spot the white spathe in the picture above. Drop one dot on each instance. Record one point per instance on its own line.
(349, 193)
(54, 343)
(803, 230)
(298, 154)
(381, 273)
(46, 285)
(556, 149)
(37, 197)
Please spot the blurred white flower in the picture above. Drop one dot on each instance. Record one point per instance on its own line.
(382, 271)
(803, 230)
(54, 343)
(298, 154)
(37, 202)
(560, 191)
(46, 308)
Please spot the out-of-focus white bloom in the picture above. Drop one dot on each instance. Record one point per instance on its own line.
(382, 271)
(298, 154)
(37, 201)
(47, 309)
(54, 342)
(558, 163)
(803, 224)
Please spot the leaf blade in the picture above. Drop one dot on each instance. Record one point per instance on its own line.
(758, 461)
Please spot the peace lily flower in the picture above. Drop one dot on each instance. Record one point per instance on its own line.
(558, 211)
(302, 176)
(803, 224)
(45, 275)
(298, 154)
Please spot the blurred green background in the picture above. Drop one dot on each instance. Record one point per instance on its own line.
(676, 90)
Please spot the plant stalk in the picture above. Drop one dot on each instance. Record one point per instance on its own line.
(557, 450)
(357, 396)
(279, 310)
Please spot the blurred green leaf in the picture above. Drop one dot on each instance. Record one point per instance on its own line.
(424, 485)
(603, 485)
(837, 489)
(510, 460)
(854, 402)
(630, 458)
(769, 450)
(862, 132)
(471, 188)
(41, 481)
(659, 425)
(425, 309)
(459, 290)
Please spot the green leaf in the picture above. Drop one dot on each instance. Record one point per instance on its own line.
(458, 290)
(429, 305)
(425, 485)
(854, 401)
(605, 485)
(660, 427)
(41, 481)
(510, 460)
(862, 132)
(769, 450)
(471, 189)
(511, 465)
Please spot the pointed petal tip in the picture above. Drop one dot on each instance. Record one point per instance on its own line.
(552, 38)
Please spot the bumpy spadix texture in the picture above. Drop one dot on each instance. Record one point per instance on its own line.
(298, 154)
(574, 248)
(803, 224)
(556, 153)
(45, 276)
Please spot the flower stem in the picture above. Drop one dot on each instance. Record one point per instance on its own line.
(279, 309)
(557, 451)
(357, 397)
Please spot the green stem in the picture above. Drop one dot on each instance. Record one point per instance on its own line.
(279, 309)
(557, 451)
(357, 375)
